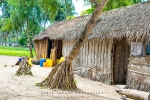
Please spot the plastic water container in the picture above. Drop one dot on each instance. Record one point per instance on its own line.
(45, 64)
(50, 62)
(61, 59)
(30, 61)
(20, 59)
(41, 62)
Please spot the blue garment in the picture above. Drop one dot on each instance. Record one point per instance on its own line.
(148, 49)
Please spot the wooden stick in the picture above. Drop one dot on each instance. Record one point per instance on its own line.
(134, 94)
(139, 72)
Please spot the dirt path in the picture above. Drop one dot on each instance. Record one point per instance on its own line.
(23, 88)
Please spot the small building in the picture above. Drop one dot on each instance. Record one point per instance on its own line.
(14, 44)
(106, 55)
(52, 38)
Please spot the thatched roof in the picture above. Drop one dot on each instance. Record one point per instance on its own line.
(123, 22)
(56, 30)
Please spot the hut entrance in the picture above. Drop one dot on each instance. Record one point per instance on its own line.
(49, 47)
(120, 61)
(55, 44)
(58, 45)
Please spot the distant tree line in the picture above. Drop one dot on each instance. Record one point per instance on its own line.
(21, 20)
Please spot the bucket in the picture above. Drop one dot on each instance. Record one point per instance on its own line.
(41, 62)
(45, 64)
(61, 59)
(50, 62)
(30, 61)
(20, 59)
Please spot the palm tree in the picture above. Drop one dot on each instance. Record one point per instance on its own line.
(62, 75)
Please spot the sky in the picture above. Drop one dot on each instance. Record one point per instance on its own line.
(0, 11)
(79, 6)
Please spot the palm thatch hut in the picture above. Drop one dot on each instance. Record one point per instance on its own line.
(52, 38)
(106, 56)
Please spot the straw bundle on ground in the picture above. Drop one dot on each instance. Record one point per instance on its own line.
(25, 68)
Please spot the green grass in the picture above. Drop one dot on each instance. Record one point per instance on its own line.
(15, 51)
(75, 81)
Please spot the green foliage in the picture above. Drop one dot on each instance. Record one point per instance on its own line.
(13, 2)
(76, 82)
(15, 51)
(57, 10)
(36, 84)
(70, 17)
(50, 7)
(7, 25)
(107, 83)
(65, 89)
(22, 11)
(138, 1)
(30, 16)
(60, 15)
(87, 12)
(16, 13)
(23, 41)
(112, 4)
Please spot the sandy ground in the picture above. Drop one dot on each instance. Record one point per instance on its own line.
(23, 87)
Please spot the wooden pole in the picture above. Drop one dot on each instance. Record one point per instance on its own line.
(134, 94)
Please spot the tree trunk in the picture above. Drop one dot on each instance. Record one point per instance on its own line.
(4, 37)
(17, 39)
(62, 75)
(29, 41)
(45, 20)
